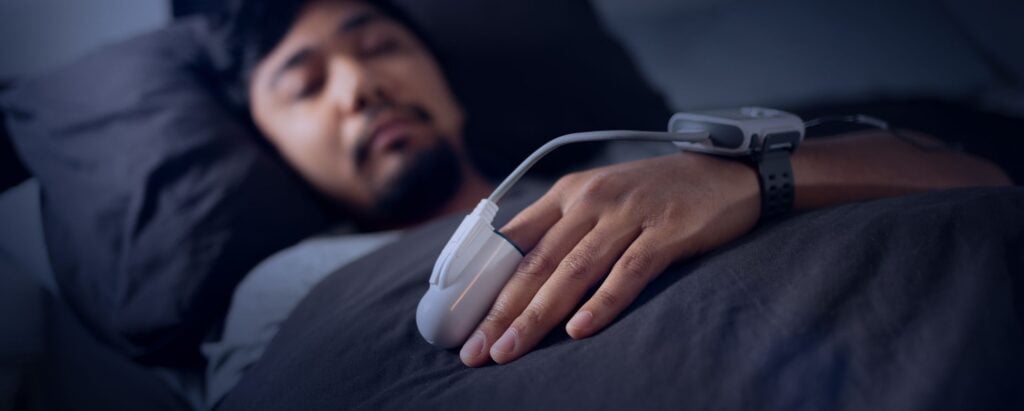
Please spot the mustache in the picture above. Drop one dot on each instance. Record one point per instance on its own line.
(373, 113)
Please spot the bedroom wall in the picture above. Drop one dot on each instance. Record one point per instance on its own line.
(38, 35)
(708, 53)
(700, 52)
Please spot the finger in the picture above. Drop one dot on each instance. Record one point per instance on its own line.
(583, 267)
(644, 260)
(529, 276)
(530, 225)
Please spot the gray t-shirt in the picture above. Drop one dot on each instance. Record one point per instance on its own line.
(263, 300)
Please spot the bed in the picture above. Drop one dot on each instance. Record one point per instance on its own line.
(909, 303)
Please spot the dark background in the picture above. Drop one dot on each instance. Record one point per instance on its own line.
(972, 125)
(182, 8)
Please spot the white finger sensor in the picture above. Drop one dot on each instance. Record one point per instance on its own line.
(472, 269)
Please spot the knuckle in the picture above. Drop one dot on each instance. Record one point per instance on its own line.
(568, 180)
(535, 264)
(654, 220)
(661, 217)
(532, 316)
(643, 202)
(607, 298)
(675, 214)
(636, 265)
(600, 186)
(639, 198)
(577, 266)
(499, 313)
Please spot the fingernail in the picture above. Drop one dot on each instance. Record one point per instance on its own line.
(581, 321)
(507, 342)
(473, 347)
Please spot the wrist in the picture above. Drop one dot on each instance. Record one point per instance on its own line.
(737, 179)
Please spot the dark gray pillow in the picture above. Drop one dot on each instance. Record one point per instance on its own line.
(156, 199)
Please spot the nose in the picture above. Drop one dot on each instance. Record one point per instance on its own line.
(353, 87)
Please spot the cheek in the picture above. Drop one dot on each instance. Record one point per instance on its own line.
(302, 134)
(427, 86)
(311, 143)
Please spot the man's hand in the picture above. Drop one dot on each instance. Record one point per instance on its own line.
(620, 226)
(617, 227)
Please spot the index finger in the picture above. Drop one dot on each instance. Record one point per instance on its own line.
(521, 287)
(530, 225)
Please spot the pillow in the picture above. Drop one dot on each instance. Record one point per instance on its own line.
(22, 246)
(156, 200)
(12, 172)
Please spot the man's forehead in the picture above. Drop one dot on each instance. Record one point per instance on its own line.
(320, 19)
(319, 22)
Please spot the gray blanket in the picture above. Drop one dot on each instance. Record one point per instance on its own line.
(908, 303)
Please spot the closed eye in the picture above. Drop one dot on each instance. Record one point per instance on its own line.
(303, 81)
(310, 88)
(382, 47)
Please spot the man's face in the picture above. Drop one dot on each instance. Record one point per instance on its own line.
(358, 105)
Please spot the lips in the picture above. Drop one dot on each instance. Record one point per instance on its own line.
(389, 132)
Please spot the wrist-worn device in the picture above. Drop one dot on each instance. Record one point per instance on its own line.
(766, 136)
(477, 261)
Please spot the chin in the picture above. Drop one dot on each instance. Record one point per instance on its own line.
(418, 184)
(390, 168)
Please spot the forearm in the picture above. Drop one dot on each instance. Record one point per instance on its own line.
(871, 165)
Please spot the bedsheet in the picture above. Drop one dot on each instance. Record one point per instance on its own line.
(914, 302)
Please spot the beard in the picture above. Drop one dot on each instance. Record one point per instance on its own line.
(419, 191)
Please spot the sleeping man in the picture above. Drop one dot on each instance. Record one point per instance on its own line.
(353, 99)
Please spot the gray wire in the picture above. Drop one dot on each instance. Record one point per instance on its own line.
(854, 118)
(550, 146)
(874, 122)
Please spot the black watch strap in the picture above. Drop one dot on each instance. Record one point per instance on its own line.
(776, 179)
(775, 173)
